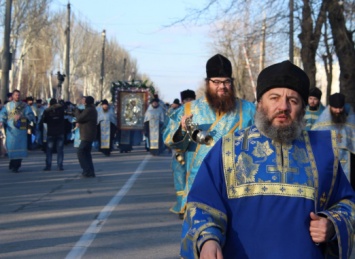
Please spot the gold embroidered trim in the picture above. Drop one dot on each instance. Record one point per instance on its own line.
(187, 108)
(254, 189)
(228, 157)
(192, 206)
(180, 193)
(335, 165)
(277, 189)
(313, 166)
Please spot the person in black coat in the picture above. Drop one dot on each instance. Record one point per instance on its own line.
(87, 120)
(53, 116)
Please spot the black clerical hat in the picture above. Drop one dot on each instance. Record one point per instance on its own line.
(218, 66)
(316, 92)
(187, 94)
(284, 74)
(337, 100)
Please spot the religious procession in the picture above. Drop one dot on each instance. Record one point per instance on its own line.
(31, 123)
(286, 158)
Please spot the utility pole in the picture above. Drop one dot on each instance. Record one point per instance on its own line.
(66, 92)
(291, 32)
(6, 55)
(102, 64)
(249, 71)
(262, 47)
(124, 69)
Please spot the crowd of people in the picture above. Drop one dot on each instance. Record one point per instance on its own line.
(270, 179)
(27, 125)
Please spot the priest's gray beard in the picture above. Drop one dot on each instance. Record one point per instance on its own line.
(283, 134)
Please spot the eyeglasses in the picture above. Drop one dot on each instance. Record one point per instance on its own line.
(227, 82)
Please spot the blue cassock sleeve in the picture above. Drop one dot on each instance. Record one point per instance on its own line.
(341, 213)
(336, 198)
(205, 217)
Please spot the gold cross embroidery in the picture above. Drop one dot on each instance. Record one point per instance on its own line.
(283, 163)
(286, 169)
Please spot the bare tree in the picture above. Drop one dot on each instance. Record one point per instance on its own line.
(312, 15)
(327, 57)
(344, 48)
(30, 18)
(310, 36)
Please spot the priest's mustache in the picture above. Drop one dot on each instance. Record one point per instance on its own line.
(282, 113)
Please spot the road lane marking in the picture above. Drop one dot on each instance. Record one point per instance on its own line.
(86, 239)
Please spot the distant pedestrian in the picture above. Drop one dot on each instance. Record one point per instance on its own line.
(39, 130)
(31, 127)
(87, 120)
(2, 138)
(76, 132)
(8, 98)
(53, 116)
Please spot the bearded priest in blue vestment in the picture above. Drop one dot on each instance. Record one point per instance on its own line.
(215, 114)
(272, 190)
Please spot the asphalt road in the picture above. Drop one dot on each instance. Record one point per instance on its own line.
(122, 213)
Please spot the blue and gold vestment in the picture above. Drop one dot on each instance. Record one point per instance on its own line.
(76, 130)
(179, 173)
(311, 116)
(156, 118)
(216, 125)
(16, 137)
(254, 196)
(104, 120)
(345, 135)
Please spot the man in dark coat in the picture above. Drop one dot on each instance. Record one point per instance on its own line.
(87, 120)
(54, 117)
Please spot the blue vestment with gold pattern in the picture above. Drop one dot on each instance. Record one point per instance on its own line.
(16, 137)
(345, 135)
(179, 172)
(76, 130)
(155, 117)
(104, 120)
(311, 116)
(216, 126)
(254, 196)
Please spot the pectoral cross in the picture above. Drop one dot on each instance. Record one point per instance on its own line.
(282, 162)
(339, 137)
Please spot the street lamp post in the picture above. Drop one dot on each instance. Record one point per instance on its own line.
(291, 32)
(102, 64)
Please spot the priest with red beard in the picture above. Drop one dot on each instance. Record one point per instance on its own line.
(214, 115)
